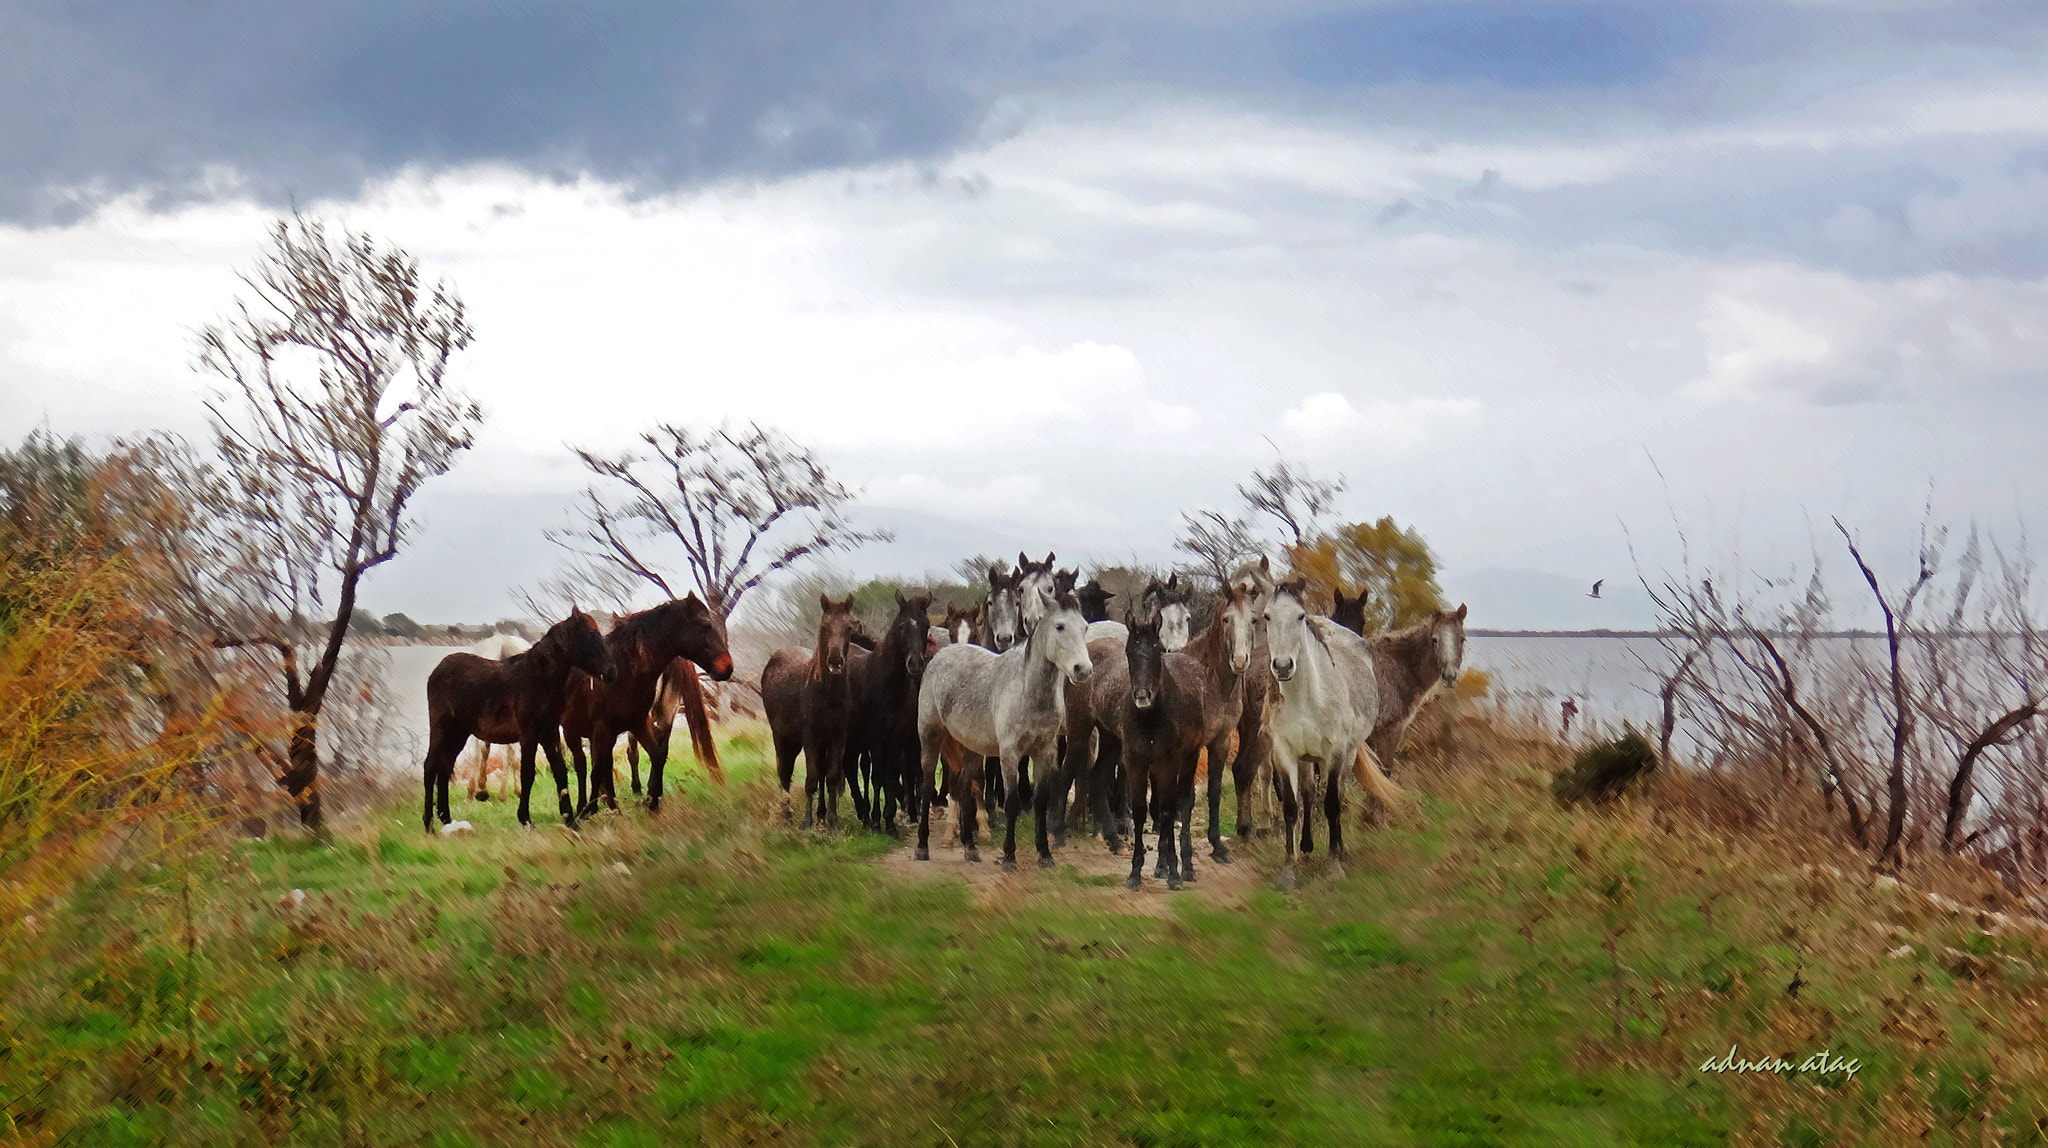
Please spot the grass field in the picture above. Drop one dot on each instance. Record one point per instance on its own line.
(1493, 971)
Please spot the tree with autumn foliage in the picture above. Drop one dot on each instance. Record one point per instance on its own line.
(1392, 565)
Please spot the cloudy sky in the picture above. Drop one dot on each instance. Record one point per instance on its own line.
(1531, 276)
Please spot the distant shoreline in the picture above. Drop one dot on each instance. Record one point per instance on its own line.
(1474, 633)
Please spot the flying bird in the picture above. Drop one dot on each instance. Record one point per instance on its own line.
(1596, 589)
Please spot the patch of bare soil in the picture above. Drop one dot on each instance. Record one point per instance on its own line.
(1086, 875)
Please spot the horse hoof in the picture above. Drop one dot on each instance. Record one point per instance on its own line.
(1188, 876)
(1134, 882)
(1336, 870)
(1046, 862)
(1173, 884)
(653, 804)
(1286, 882)
(1009, 864)
(1220, 855)
(974, 855)
(923, 854)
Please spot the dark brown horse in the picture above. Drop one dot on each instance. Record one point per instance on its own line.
(1160, 725)
(1094, 600)
(808, 698)
(517, 701)
(1350, 612)
(885, 726)
(645, 645)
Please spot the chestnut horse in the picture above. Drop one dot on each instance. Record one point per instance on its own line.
(645, 645)
(515, 701)
(671, 696)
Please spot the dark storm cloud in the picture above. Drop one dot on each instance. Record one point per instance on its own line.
(311, 97)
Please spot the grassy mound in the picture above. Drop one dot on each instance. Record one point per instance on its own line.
(1503, 972)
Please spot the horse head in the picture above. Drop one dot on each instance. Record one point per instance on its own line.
(578, 640)
(835, 635)
(1033, 579)
(1167, 603)
(1447, 632)
(1350, 612)
(1005, 608)
(688, 628)
(1062, 636)
(1257, 581)
(1147, 658)
(1287, 627)
(912, 627)
(1094, 600)
(1234, 613)
(960, 622)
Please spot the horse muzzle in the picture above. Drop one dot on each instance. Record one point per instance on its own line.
(1080, 672)
(721, 668)
(1450, 681)
(1283, 671)
(1142, 699)
(1240, 663)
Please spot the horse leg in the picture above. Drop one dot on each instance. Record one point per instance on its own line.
(603, 784)
(1043, 808)
(1218, 750)
(557, 768)
(633, 759)
(1308, 840)
(1185, 814)
(928, 760)
(1284, 781)
(442, 751)
(972, 766)
(1166, 809)
(1137, 802)
(1333, 814)
(526, 784)
(1103, 785)
(1013, 804)
(582, 774)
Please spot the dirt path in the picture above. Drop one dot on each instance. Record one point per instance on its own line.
(1087, 874)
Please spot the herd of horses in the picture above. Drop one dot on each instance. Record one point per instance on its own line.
(1116, 716)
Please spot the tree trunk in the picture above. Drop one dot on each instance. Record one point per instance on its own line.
(1959, 788)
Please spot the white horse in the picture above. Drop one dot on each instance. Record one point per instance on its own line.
(496, 647)
(1329, 704)
(1008, 706)
(1168, 602)
(1034, 587)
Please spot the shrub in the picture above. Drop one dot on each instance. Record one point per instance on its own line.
(1604, 771)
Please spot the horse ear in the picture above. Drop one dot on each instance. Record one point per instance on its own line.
(824, 601)
(1459, 613)
(1265, 564)
(1022, 560)
(1048, 558)
(900, 602)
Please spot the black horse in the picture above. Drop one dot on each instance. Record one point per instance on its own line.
(885, 718)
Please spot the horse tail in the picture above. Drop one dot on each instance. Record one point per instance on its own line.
(699, 722)
(1375, 783)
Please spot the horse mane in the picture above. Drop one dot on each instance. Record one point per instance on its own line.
(1410, 644)
(694, 715)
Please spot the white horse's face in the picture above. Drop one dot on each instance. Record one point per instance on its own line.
(1449, 633)
(1173, 626)
(1004, 623)
(1062, 636)
(1035, 591)
(1287, 633)
(963, 631)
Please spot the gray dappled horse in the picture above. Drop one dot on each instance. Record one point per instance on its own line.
(1008, 706)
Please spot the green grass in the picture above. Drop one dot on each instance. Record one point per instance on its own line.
(748, 983)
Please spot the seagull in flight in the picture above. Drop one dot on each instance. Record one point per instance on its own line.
(1596, 589)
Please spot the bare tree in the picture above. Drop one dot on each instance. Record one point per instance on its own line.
(1902, 714)
(733, 506)
(335, 408)
(1217, 542)
(1293, 498)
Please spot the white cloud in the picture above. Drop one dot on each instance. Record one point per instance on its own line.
(1329, 419)
(1785, 330)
